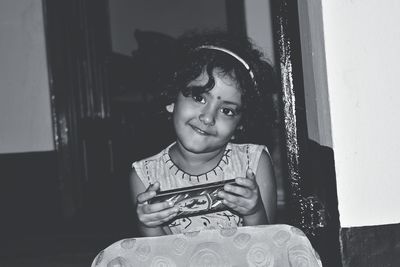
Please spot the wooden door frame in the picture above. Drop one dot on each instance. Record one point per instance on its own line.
(77, 61)
(66, 115)
(306, 210)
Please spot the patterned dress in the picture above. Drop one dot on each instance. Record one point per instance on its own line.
(234, 163)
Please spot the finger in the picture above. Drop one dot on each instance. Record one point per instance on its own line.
(250, 174)
(157, 207)
(238, 190)
(162, 215)
(153, 187)
(160, 222)
(149, 193)
(247, 182)
(170, 217)
(229, 204)
(142, 198)
(231, 198)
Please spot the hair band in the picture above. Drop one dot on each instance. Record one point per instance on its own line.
(241, 60)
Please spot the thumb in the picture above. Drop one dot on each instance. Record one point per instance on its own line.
(153, 187)
(250, 174)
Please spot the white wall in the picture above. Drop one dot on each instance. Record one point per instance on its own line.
(25, 114)
(362, 43)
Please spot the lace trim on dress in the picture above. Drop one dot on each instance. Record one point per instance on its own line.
(214, 172)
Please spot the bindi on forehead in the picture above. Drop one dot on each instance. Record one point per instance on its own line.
(218, 97)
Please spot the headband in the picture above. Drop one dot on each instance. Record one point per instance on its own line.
(241, 60)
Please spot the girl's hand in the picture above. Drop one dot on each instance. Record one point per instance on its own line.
(153, 215)
(245, 199)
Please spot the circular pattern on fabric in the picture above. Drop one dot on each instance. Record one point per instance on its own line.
(300, 256)
(118, 262)
(228, 231)
(99, 258)
(207, 258)
(241, 240)
(160, 261)
(281, 237)
(143, 252)
(258, 256)
(128, 243)
(179, 245)
(297, 231)
(209, 254)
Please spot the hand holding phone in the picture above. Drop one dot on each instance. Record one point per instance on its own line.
(194, 200)
(244, 198)
(150, 213)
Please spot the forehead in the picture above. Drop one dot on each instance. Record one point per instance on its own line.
(225, 89)
(221, 79)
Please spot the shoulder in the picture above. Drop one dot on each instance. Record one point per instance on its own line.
(148, 168)
(154, 158)
(151, 158)
(248, 148)
(252, 153)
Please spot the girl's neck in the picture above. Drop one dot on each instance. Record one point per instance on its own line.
(195, 163)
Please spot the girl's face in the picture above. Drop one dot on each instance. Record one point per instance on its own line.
(206, 122)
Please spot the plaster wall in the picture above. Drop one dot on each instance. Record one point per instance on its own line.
(362, 41)
(25, 111)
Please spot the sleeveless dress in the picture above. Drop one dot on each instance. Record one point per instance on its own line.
(234, 163)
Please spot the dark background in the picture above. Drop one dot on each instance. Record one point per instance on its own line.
(64, 206)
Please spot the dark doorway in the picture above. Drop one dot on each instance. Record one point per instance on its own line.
(104, 117)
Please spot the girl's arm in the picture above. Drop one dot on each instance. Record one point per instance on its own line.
(255, 197)
(265, 179)
(151, 217)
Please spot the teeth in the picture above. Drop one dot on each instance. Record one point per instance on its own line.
(199, 131)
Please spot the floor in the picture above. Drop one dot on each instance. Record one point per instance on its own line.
(61, 260)
(53, 251)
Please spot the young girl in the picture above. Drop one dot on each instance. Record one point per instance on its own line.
(214, 95)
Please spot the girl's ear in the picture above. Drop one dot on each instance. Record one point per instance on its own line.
(170, 107)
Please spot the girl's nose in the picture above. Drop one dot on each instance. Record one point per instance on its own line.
(207, 117)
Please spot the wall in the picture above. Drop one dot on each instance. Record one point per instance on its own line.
(171, 17)
(357, 94)
(25, 113)
(314, 72)
(362, 41)
(259, 26)
(350, 54)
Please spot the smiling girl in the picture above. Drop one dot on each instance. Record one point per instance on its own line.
(214, 95)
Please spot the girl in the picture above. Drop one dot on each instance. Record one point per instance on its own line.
(214, 95)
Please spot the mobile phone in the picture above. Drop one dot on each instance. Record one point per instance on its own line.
(195, 200)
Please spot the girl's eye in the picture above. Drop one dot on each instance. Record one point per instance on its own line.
(199, 98)
(228, 111)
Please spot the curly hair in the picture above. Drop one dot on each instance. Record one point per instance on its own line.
(191, 61)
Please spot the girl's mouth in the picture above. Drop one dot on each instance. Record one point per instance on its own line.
(199, 131)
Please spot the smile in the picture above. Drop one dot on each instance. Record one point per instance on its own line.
(199, 131)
